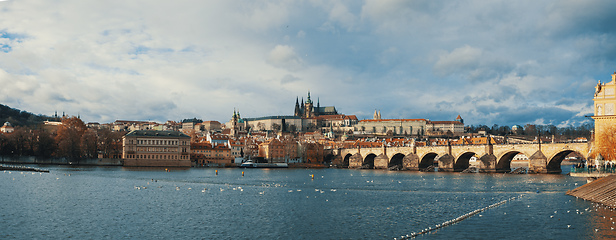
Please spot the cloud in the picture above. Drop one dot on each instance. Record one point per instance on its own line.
(461, 59)
(284, 56)
(289, 79)
(301, 34)
(410, 59)
(471, 63)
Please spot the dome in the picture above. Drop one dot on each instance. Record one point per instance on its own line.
(8, 124)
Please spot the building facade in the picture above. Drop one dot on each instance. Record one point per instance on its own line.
(272, 150)
(445, 127)
(205, 153)
(152, 148)
(604, 114)
(392, 126)
(417, 127)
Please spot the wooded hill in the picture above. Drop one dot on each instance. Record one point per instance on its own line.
(20, 118)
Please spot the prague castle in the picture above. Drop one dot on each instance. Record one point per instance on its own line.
(307, 110)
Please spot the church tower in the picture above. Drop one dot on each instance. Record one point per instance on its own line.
(377, 115)
(298, 110)
(308, 107)
(234, 120)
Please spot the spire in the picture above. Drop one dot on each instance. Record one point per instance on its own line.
(297, 109)
(308, 100)
(318, 103)
(379, 114)
(375, 116)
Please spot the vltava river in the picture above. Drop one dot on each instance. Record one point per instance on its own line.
(121, 203)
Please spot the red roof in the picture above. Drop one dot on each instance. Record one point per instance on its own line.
(445, 122)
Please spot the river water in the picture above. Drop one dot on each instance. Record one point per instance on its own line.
(123, 203)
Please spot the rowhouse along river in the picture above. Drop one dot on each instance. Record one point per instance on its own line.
(123, 203)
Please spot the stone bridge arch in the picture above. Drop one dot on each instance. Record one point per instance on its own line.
(463, 161)
(427, 160)
(369, 161)
(346, 160)
(503, 160)
(397, 160)
(555, 161)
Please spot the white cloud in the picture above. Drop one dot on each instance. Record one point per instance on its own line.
(184, 59)
(460, 59)
(284, 56)
(301, 34)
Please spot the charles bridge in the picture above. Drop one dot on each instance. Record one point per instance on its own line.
(543, 157)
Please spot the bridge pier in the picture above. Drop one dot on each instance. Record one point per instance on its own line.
(445, 163)
(538, 163)
(356, 161)
(487, 163)
(381, 161)
(411, 162)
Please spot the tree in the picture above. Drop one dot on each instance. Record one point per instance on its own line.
(21, 141)
(276, 126)
(109, 142)
(69, 138)
(6, 145)
(89, 148)
(530, 130)
(292, 128)
(45, 145)
(605, 143)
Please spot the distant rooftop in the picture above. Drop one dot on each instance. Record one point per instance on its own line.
(393, 120)
(155, 133)
(271, 117)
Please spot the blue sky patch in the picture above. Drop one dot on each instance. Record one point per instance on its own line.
(12, 37)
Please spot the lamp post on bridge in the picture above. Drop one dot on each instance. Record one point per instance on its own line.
(539, 138)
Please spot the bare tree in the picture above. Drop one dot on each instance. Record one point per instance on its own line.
(69, 138)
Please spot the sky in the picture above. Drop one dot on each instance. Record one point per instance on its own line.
(492, 62)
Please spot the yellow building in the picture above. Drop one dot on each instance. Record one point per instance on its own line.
(605, 116)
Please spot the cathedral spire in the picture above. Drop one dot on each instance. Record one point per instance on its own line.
(297, 108)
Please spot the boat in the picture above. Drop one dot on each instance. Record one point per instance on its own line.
(251, 164)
